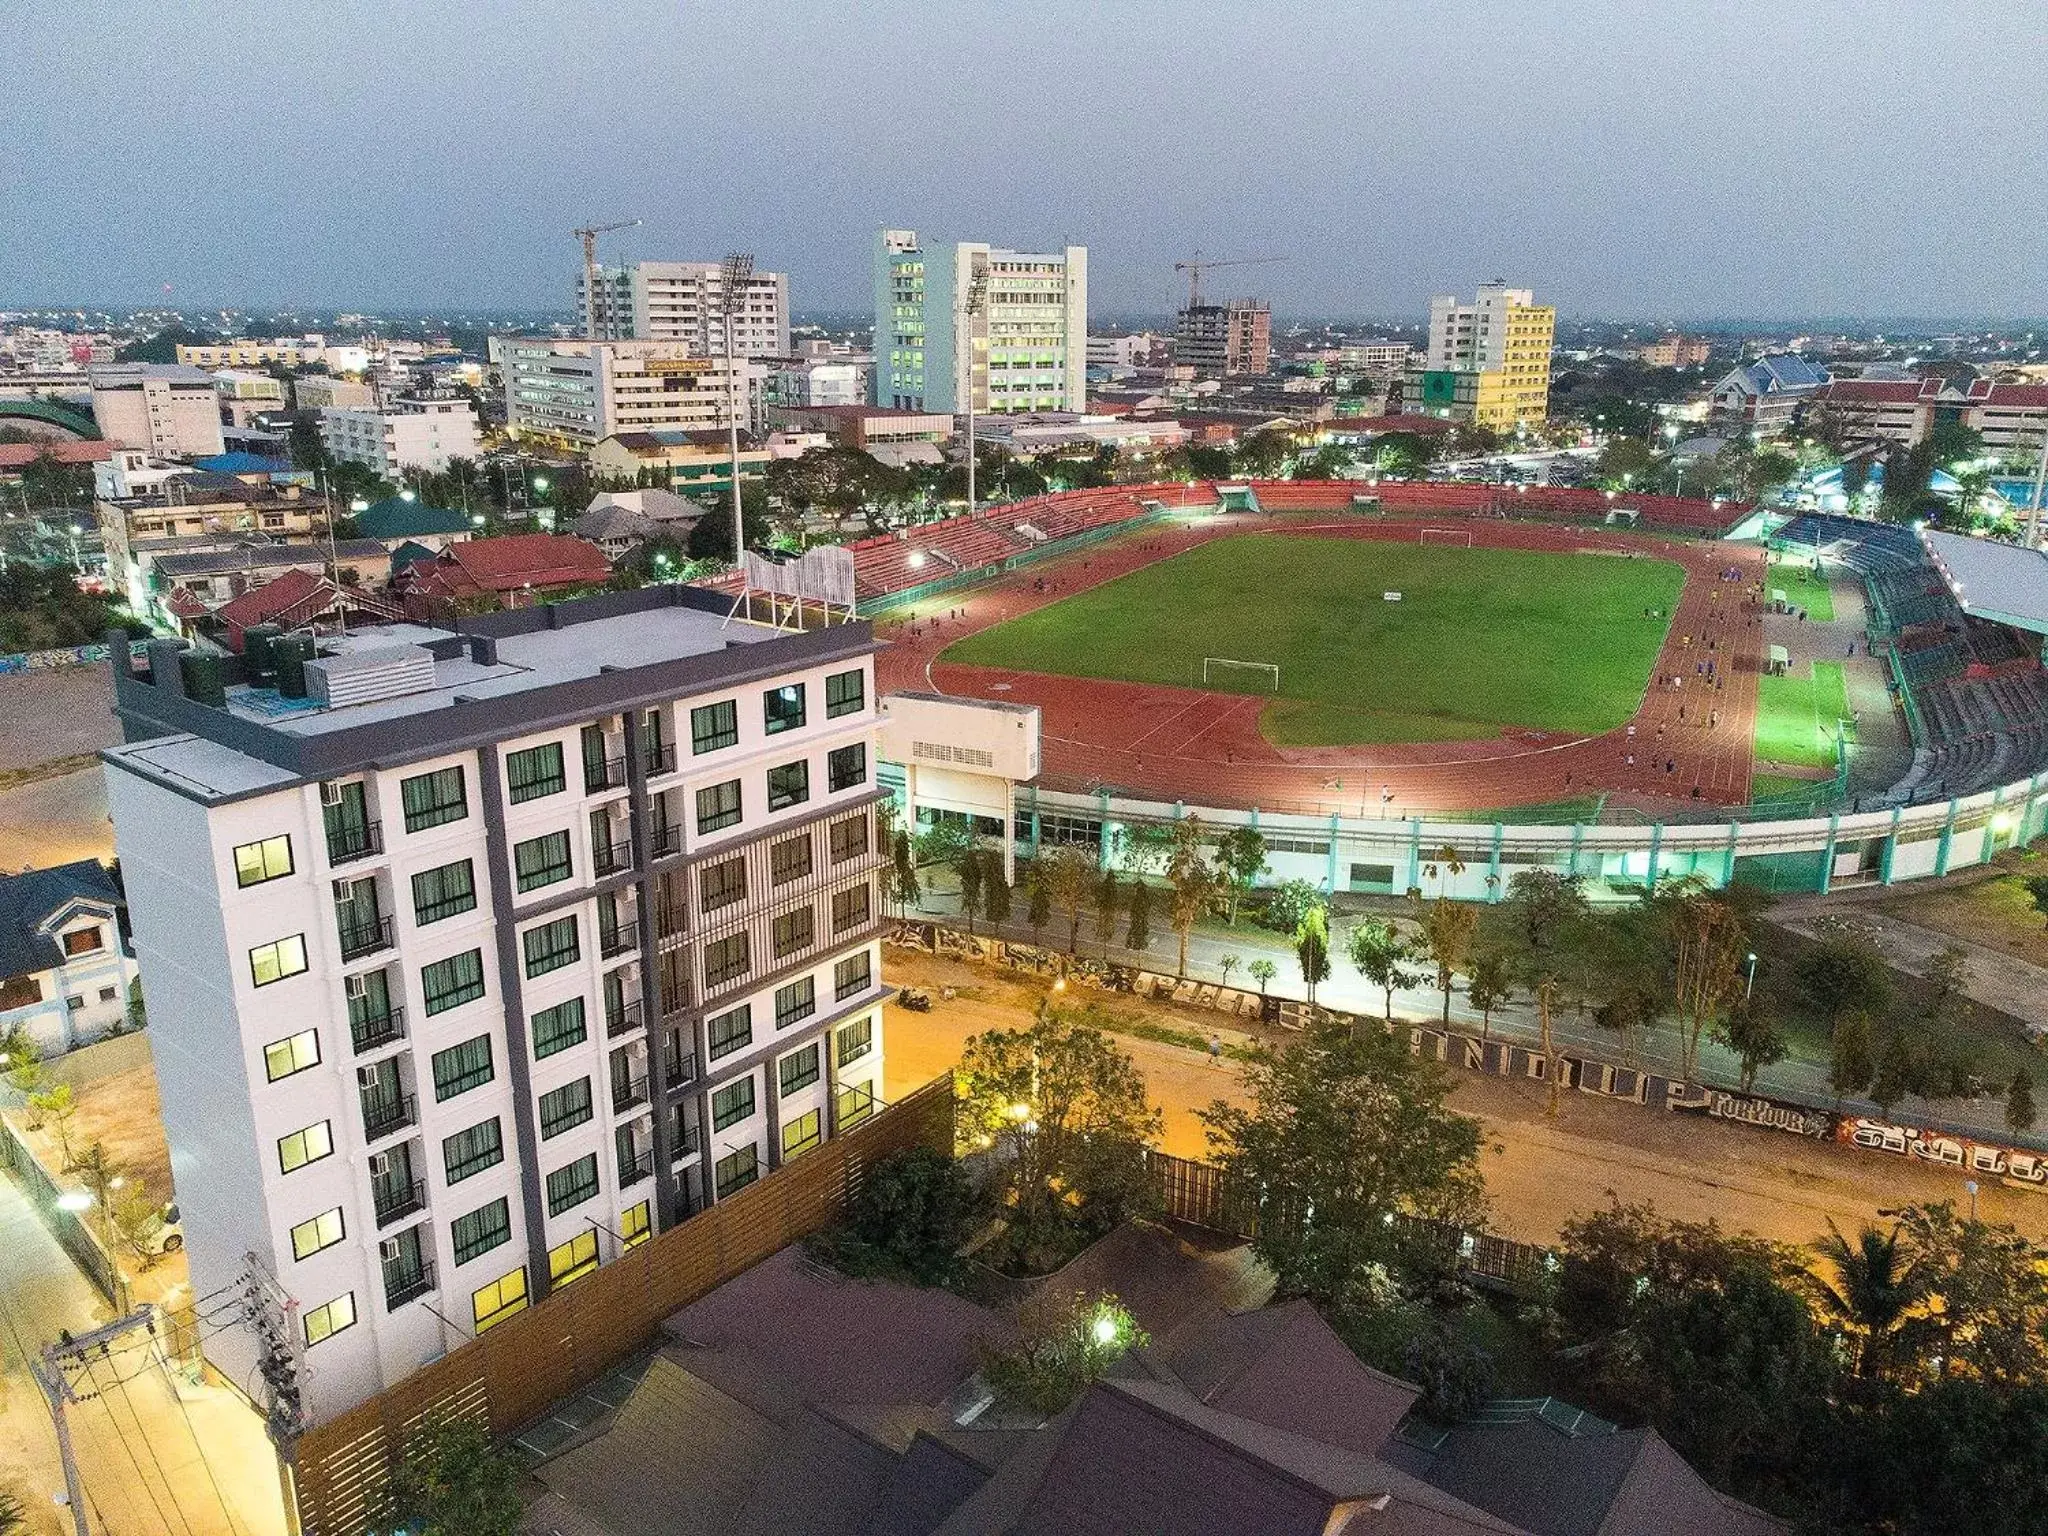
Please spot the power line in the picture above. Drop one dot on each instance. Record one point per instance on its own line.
(51, 1353)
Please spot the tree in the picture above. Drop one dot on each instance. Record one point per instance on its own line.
(1447, 929)
(903, 879)
(1951, 1446)
(1038, 911)
(1067, 1341)
(1346, 1132)
(1108, 905)
(1844, 974)
(1069, 876)
(909, 1215)
(995, 890)
(13, 1515)
(101, 1174)
(2037, 889)
(1240, 859)
(1488, 985)
(1191, 883)
(711, 536)
(1138, 929)
(136, 1219)
(54, 1107)
(1894, 1076)
(1549, 912)
(42, 608)
(1226, 964)
(1379, 954)
(1289, 902)
(452, 1481)
(22, 1058)
(969, 868)
(1402, 455)
(1064, 1109)
(1262, 971)
(1627, 462)
(1948, 973)
(2019, 1102)
(1262, 455)
(1850, 1065)
(1986, 1316)
(1708, 939)
(1312, 950)
(1868, 1289)
(1751, 1032)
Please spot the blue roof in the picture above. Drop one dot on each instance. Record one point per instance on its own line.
(27, 900)
(1785, 371)
(243, 464)
(397, 518)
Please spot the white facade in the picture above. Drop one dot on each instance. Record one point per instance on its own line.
(164, 408)
(1024, 347)
(417, 433)
(580, 392)
(816, 381)
(427, 1027)
(83, 991)
(685, 301)
(1473, 338)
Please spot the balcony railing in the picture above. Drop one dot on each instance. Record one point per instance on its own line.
(384, 1114)
(611, 858)
(368, 1034)
(636, 1170)
(665, 843)
(609, 774)
(660, 760)
(359, 939)
(616, 941)
(392, 1201)
(688, 1142)
(346, 844)
(625, 1018)
(681, 1067)
(628, 1094)
(407, 1285)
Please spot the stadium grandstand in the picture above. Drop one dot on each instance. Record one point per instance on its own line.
(1957, 620)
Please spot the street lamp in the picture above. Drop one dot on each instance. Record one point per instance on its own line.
(1750, 985)
(972, 306)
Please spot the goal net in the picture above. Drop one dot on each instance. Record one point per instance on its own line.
(1459, 536)
(1240, 676)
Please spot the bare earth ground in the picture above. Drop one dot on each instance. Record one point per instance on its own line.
(1995, 912)
(1539, 1172)
(60, 713)
(53, 803)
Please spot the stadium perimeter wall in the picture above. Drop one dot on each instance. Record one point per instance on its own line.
(1812, 854)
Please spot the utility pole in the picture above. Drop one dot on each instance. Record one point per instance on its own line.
(589, 238)
(975, 304)
(2040, 478)
(55, 1392)
(737, 268)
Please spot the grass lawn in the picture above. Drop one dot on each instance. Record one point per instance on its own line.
(1482, 638)
(1768, 786)
(1997, 913)
(1795, 716)
(1803, 589)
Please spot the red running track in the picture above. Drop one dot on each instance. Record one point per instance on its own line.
(1690, 742)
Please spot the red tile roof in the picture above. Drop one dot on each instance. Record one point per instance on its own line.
(1873, 391)
(63, 450)
(297, 597)
(510, 564)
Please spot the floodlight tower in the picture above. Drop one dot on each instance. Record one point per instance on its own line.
(973, 304)
(734, 272)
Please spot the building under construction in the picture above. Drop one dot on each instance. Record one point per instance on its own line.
(1223, 340)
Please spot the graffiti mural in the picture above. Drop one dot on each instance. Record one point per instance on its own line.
(1987, 1158)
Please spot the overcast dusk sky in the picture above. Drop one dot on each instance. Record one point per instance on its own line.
(1626, 158)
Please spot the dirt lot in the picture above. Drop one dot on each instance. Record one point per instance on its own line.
(1539, 1172)
(1996, 912)
(63, 713)
(122, 1113)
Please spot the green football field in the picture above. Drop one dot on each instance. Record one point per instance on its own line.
(1796, 716)
(1482, 638)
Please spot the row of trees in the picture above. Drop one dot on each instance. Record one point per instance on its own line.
(43, 608)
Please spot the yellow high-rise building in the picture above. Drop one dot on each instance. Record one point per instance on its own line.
(1488, 361)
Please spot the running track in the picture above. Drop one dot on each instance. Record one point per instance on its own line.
(1189, 744)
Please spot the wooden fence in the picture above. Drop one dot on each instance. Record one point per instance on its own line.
(513, 1373)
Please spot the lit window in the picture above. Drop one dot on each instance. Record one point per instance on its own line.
(330, 1318)
(322, 1231)
(802, 1134)
(574, 1259)
(303, 1147)
(294, 1053)
(275, 961)
(497, 1301)
(736, 1170)
(634, 1226)
(255, 863)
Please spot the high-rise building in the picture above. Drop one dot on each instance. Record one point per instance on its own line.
(163, 408)
(1488, 361)
(577, 393)
(495, 953)
(413, 432)
(1222, 340)
(1008, 326)
(685, 301)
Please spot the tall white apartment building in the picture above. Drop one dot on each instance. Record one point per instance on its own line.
(414, 432)
(501, 951)
(577, 393)
(1023, 346)
(685, 301)
(161, 408)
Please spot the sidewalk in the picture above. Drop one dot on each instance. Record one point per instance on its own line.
(1659, 1048)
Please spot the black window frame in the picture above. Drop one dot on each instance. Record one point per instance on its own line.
(564, 1108)
(841, 975)
(548, 1039)
(835, 779)
(845, 705)
(796, 1001)
(522, 786)
(864, 1029)
(731, 885)
(440, 811)
(797, 1082)
(781, 799)
(725, 1118)
(793, 713)
(838, 833)
(843, 916)
(242, 882)
(741, 1176)
(548, 954)
(786, 936)
(446, 905)
(713, 731)
(553, 872)
(723, 816)
(470, 989)
(476, 1157)
(730, 1031)
(457, 1083)
(782, 868)
(475, 1233)
(566, 1187)
(727, 970)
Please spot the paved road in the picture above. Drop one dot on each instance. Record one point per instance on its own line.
(53, 821)
(138, 1446)
(1540, 1172)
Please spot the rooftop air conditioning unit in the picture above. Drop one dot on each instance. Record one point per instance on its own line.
(354, 987)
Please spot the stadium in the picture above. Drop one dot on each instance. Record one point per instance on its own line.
(1624, 688)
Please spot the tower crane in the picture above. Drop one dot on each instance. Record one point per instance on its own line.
(589, 238)
(1195, 266)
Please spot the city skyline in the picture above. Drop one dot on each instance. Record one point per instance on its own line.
(1665, 163)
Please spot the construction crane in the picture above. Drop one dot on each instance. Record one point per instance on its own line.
(1195, 266)
(589, 239)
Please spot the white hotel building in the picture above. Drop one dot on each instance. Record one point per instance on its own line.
(499, 952)
(422, 432)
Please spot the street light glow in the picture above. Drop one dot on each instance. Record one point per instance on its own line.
(74, 1200)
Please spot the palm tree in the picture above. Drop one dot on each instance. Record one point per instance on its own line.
(1874, 1287)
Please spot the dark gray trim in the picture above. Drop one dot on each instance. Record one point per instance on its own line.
(816, 1025)
(518, 1049)
(690, 858)
(825, 954)
(650, 984)
(147, 711)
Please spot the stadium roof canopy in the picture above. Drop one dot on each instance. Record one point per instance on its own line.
(2000, 582)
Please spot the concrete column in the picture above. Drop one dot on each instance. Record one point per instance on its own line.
(1331, 878)
(652, 1003)
(1493, 864)
(1656, 848)
(1827, 856)
(1948, 835)
(1891, 848)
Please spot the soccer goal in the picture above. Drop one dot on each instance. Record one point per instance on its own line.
(1240, 676)
(1459, 536)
